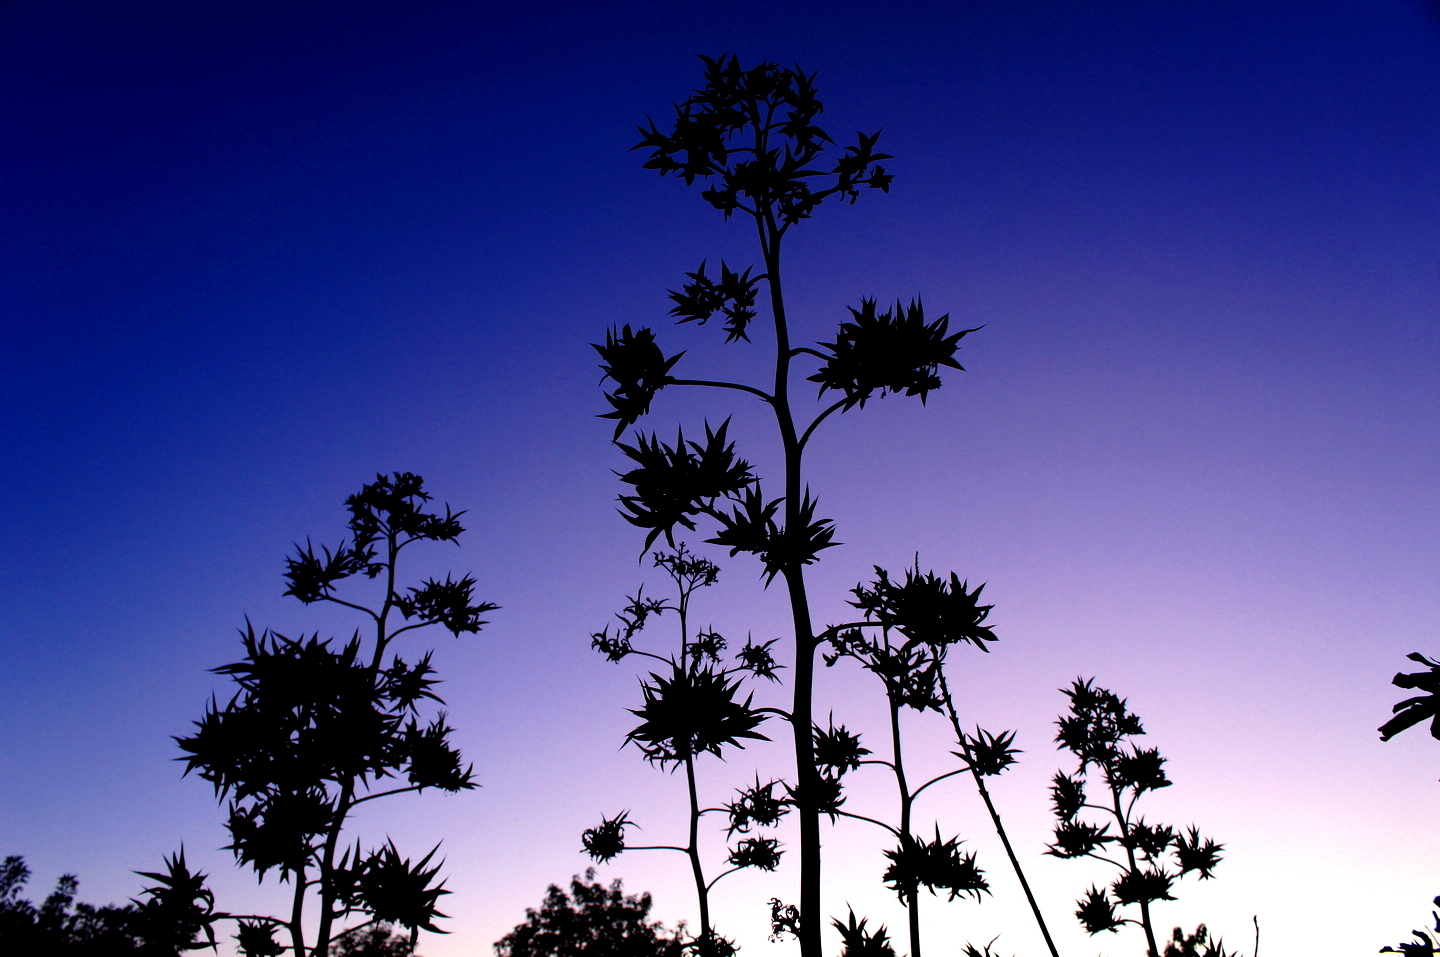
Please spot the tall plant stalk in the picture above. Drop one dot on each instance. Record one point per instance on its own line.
(750, 134)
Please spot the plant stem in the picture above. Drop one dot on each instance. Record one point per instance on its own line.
(693, 851)
(807, 775)
(912, 895)
(297, 911)
(995, 816)
(1134, 869)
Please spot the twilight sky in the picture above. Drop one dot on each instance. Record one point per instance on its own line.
(256, 252)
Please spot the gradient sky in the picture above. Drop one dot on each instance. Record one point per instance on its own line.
(256, 252)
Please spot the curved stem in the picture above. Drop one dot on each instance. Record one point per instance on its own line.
(912, 894)
(937, 780)
(349, 604)
(821, 418)
(868, 820)
(381, 794)
(724, 385)
(720, 875)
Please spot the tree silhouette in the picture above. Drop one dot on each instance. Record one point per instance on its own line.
(319, 727)
(1097, 731)
(591, 921)
(173, 917)
(750, 135)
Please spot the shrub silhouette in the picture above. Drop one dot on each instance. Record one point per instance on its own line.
(319, 727)
(591, 921)
(174, 916)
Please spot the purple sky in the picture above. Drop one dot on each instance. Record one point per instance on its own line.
(257, 252)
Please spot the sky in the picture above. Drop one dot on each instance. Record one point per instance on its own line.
(255, 253)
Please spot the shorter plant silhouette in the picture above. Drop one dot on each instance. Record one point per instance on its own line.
(317, 729)
(692, 706)
(1426, 942)
(1097, 730)
(918, 620)
(592, 920)
(1198, 944)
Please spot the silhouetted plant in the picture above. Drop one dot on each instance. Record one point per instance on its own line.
(1198, 944)
(1426, 942)
(318, 728)
(172, 917)
(692, 706)
(591, 921)
(1412, 711)
(860, 942)
(1097, 730)
(918, 620)
(750, 134)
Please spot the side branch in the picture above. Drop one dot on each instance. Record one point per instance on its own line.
(818, 419)
(726, 385)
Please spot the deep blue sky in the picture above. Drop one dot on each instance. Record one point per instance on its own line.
(255, 253)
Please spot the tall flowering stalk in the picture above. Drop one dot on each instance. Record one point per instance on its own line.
(750, 136)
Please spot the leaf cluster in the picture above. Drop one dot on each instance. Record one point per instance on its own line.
(926, 608)
(674, 482)
(638, 368)
(892, 351)
(860, 942)
(1412, 711)
(751, 527)
(690, 712)
(390, 888)
(752, 134)
(733, 296)
(938, 865)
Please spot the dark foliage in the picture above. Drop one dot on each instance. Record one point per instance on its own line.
(1097, 731)
(1198, 944)
(937, 865)
(691, 712)
(1412, 711)
(639, 369)
(862, 943)
(377, 940)
(1426, 942)
(317, 726)
(733, 296)
(892, 351)
(675, 482)
(591, 921)
(171, 918)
